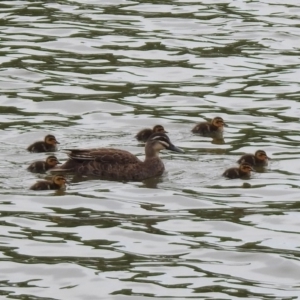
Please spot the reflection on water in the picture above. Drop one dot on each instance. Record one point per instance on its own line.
(94, 73)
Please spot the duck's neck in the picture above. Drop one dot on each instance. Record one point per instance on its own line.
(151, 153)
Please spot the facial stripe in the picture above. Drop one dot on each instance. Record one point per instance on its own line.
(156, 137)
(165, 144)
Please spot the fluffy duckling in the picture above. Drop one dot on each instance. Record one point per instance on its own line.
(207, 128)
(43, 166)
(244, 170)
(258, 159)
(116, 164)
(144, 134)
(58, 182)
(48, 145)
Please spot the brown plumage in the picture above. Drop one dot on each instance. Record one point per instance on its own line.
(116, 164)
(58, 182)
(43, 166)
(208, 128)
(144, 134)
(258, 159)
(244, 170)
(48, 145)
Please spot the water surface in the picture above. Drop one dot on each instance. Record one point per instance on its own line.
(93, 73)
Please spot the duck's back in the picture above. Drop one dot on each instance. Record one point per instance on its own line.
(38, 166)
(41, 147)
(232, 173)
(144, 134)
(103, 155)
(113, 164)
(248, 158)
(202, 128)
(43, 185)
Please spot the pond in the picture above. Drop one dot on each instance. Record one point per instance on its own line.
(94, 73)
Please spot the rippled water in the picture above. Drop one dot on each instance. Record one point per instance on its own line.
(93, 73)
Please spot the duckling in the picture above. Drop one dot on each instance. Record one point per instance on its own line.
(116, 164)
(48, 145)
(58, 182)
(43, 166)
(144, 134)
(258, 159)
(244, 170)
(205, 128)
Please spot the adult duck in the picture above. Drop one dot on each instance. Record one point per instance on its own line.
(116, 164)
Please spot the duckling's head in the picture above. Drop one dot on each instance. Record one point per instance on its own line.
(246, 168)
(261, 155)
(52, 161)
(51, 140)
(218, 122)
(160, 141)
(159, 128)
(59, 180)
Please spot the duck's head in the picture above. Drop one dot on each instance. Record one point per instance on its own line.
(160, 141)
(246, 168)
(59, 180)
(159, 128)
(218, 122)
(261, 155)
(51, 140)
(52, 161)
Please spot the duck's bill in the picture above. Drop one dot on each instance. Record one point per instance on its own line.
(175, 149)
(57, 142)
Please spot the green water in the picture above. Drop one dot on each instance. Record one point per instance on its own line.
(94, 73)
